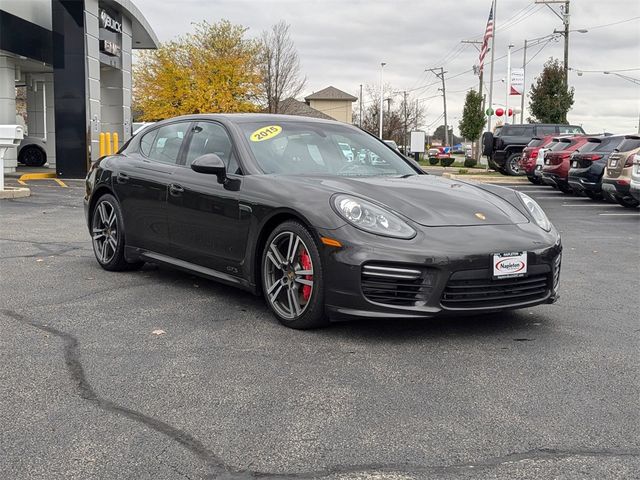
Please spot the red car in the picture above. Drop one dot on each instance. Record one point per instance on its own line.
(530, 155)
(555, 171)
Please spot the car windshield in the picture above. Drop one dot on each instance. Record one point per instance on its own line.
(321, 148)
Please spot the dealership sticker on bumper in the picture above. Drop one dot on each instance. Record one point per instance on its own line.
(506, 265)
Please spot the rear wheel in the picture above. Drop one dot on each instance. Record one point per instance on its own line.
(564, 188)
(513, 166)
(627, 202)
(292, 277)
(32, 157)
(107, 235)
(534, 180)
(594, 195)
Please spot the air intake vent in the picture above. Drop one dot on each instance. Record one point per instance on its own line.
(482, 293)
(391, 285)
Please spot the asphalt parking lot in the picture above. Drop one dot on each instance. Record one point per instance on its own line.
(87, 390)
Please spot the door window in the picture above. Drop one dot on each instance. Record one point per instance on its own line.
(166, 142)
(546, 130)
(209, 137)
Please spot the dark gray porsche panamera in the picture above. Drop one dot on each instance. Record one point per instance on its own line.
(323, 219)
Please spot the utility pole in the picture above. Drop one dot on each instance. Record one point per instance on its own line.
(565, 21)
(440, 75)
(360, 117)
(405, 122)
(381, 97)
(566, 44)
(493, 51)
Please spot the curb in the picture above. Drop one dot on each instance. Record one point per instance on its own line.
(486, 178)
(14, 192)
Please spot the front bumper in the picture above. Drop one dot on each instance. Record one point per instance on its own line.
(447, 266)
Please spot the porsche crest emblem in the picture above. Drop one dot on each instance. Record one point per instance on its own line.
(481, 216)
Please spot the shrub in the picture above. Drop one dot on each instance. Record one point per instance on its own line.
(433, 160)
(447, 162)
(462, 171)
(470, 162)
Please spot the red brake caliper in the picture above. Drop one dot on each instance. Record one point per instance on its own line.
(305, 261)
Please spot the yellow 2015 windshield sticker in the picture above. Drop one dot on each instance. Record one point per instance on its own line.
(265, 133)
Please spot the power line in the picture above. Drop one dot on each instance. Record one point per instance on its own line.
(613, 23)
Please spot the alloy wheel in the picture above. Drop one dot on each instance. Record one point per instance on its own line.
(288, 275)
(104, 231)
(515, 165)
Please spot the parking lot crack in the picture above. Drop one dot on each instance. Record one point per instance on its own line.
(219, 470)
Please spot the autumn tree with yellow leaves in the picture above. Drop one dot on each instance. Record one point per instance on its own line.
(214, 69)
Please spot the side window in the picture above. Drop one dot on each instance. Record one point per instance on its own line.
(146, 141)
(209, 137)
(167, 142)
(528, 132)
(543, 130)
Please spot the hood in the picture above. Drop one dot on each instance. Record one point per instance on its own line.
(425, 199)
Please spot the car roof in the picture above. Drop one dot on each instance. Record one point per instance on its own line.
(254, 117)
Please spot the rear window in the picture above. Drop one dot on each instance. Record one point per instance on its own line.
(608, 145)
(551, 145)
(590, 147)
(561, 145)
(629, 144)
(536, 142)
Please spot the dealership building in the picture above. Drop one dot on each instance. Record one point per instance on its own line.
(65, 72)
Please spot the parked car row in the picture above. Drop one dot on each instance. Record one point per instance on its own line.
(600, 167)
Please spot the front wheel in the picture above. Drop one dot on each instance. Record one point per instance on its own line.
(292, 277)
(513, 166)
(32, 157)
(107, 235)
(534, 180)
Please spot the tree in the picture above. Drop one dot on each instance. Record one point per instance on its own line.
(394, 120)
(279, 66)
(213, 69)
(551, 99)
(438, 134)
(473, 118)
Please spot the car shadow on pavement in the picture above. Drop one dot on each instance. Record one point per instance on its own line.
(520, 325)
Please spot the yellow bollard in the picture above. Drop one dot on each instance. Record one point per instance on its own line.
(108, 137)
(102, 148)
(115, 142)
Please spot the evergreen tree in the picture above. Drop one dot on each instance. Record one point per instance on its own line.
(551, 99)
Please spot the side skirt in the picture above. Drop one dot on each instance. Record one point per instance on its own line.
(134, 253)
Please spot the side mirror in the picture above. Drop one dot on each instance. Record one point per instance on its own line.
(210, 164)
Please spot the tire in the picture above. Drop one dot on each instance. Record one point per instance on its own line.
(627, 202)
(296, 300)
(512, 165)
(566, 189)
(594, 195)
(534, 180)
(32, 156)
(108, 236)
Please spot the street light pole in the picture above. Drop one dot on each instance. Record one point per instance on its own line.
(524, 82)
(508, 84)
(566, 44)
(381, 97)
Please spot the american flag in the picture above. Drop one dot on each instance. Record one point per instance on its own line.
(488, 33)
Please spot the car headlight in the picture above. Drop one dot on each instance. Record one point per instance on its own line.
(536, 212)
(371, 218)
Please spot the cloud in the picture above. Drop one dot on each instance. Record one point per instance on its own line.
(342, 42)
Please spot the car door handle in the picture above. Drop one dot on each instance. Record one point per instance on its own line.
(175, 189)
(122, 178)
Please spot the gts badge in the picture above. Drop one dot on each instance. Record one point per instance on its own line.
(231, 269)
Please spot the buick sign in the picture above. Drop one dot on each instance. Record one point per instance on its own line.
(110, 23)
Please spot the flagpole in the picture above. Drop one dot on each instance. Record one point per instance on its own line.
(493, 51)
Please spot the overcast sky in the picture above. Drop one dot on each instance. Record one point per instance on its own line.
(342, 42)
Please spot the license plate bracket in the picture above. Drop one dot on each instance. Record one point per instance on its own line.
(509, 265)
